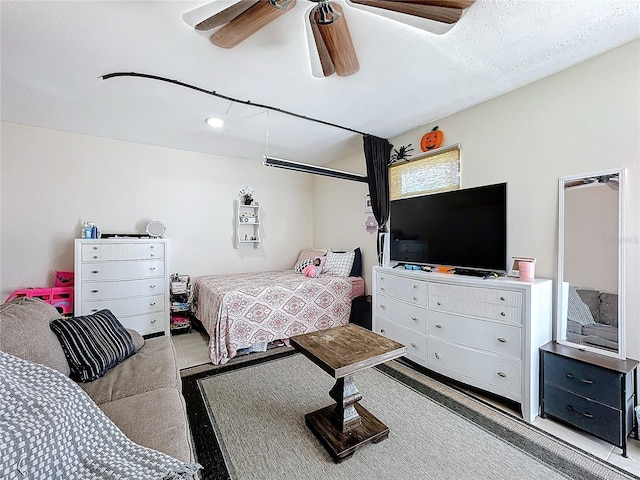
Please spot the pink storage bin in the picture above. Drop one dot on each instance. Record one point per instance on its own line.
(64, 279)
(59, 297)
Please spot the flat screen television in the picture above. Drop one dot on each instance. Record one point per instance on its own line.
(465, 229)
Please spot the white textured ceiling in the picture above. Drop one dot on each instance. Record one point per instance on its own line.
(54, 54)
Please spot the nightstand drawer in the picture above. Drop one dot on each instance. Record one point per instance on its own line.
(584, 379)
(598, 419)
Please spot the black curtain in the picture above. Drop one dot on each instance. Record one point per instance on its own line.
(377, 152)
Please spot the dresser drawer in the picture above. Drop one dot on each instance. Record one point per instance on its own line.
(122, 289)
(126, 306)
(483, 335)
(587, 380)
(474, 308)
(408, 315)
(494, 371)
(122, 270)
(144, 324)
(594, 417)
(509, 298)
(415, 342)
(408, 289)
(121, 251)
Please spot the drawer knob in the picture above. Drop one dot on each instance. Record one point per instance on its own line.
(503, 314)
(382, 330)
(95, 257)
(382, 289)
(415, 286)
(152, 286)
(94, 291)
(94, 309)
(438, 325)
(415, 319)
(502, 298)
(95, 271)
(437, 355)
(95, 248)
(502, 374)
(415, 298)
(152, 255)
(413, 345)
(439, 303)
(152, 304)
(152, 246)
(383, 306)
(153, 321)
(502, 339)
(152, 268)
(584, 414)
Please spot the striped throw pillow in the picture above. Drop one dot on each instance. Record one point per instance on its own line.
(93, 343)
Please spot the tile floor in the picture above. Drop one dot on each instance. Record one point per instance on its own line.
(192, 350)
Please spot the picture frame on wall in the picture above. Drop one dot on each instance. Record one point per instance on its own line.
(367, 204)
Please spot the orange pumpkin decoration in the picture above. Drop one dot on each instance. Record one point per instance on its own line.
(431, 140)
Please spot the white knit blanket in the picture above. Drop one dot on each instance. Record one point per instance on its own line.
(50, 428)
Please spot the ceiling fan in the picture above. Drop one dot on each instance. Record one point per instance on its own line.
(336, 51)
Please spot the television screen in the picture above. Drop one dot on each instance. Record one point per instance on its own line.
(464, 228)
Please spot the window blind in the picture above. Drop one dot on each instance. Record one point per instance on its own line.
(431, 173)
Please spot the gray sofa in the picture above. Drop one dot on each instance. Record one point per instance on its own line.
(142, 395)
(601, 329)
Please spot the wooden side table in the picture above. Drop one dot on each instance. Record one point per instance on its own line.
(595, 393)
(341, 352)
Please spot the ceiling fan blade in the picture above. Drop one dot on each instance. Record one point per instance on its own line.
(225, 16)
(247, 23)
(325, 59)
(430, 10)
(337, 41)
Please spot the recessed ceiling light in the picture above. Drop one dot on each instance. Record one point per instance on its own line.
(215, 122)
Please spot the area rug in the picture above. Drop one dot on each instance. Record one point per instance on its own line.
(247, 422)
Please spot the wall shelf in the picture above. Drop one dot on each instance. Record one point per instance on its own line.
(247, 219)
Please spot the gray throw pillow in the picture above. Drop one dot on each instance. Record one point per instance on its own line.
(578, 311)
(93, 344)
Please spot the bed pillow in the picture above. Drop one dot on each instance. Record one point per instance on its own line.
(307, 253)
(93, 344)
(356, 269)
(339, 264)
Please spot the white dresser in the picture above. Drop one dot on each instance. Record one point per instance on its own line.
(484, 333)
(128, 276)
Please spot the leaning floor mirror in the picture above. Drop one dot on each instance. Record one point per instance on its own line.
(590, 263)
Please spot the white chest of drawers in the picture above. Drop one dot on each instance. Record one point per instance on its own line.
(485, 333)
(130, 277)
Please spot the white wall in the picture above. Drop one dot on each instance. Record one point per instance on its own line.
(581, 120)
(53, 181)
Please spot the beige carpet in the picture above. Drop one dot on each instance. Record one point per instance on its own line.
(255, 417)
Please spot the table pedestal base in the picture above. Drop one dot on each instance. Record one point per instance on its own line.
(341, 446)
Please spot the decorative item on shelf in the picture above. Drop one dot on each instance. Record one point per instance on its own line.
(155, 229)
(246, 195)
(371, 225)
(431, 140)
(401, 154)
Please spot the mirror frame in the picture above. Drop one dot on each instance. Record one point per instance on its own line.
(561, 293)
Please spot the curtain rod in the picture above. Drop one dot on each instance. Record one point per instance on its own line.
(306, 168)
(225, 97)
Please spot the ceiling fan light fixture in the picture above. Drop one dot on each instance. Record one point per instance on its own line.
(214, 122)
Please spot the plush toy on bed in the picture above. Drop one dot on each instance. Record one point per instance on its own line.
(314, 269)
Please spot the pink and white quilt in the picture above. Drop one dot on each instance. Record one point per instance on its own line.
(241, 310)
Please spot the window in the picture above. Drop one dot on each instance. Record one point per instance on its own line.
(430, 173)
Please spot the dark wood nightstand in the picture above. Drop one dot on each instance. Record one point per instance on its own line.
(595, 393)
(361, 311)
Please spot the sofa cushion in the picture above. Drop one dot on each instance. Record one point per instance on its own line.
(606, 332)
(25, 333)
(155, 419)
(153, 367)
(609, 309)
(93, 343)
(138, 340)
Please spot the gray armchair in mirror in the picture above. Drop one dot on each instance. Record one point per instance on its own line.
(590, 266)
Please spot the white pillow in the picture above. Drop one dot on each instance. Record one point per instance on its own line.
(339, 263)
